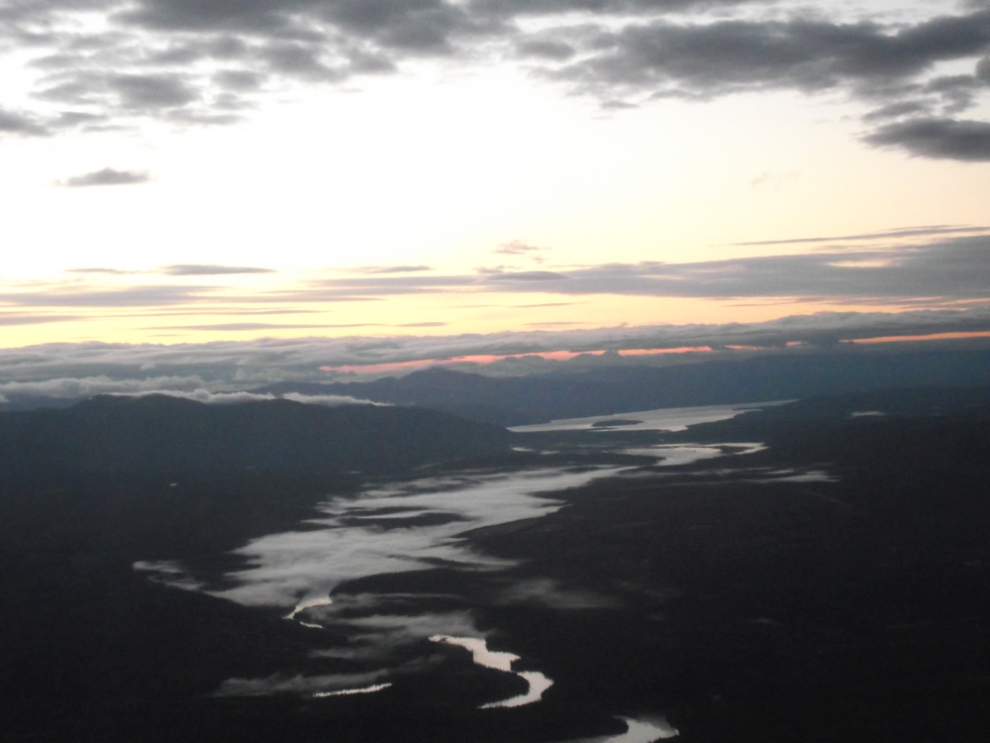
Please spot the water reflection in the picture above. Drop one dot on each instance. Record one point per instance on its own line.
(538, 683)
(482, 656)
(662, 419)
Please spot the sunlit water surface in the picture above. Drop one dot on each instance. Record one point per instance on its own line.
(661, 419)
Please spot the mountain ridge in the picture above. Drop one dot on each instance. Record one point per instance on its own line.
(513, 401)
(170, 437)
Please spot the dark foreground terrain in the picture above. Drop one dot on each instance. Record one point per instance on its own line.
(833, 587)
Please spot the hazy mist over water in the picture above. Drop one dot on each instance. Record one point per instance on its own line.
(373, 533)
(419, 525)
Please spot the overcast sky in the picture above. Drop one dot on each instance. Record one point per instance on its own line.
(178, 171)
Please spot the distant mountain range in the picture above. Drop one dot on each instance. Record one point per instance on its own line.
(517, 401)
(164, 436)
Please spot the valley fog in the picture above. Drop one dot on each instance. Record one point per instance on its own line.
(420, 526)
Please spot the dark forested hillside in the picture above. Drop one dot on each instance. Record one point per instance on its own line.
(830, 586)
(167, 436)
(617, 389)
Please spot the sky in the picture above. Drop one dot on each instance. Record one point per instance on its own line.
(369, 181)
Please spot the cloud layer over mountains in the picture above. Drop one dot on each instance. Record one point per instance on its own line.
(200, 371)
(103, 63)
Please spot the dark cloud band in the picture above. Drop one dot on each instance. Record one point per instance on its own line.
(199, 269)
(957, 269)
(207, 61)
(937, 138)
(943, 271)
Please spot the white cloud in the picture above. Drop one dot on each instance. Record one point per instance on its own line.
(233, 398)
(68, 387)
(203, 396)
(332, 401)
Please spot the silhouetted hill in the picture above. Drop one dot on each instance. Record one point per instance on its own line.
(618, 389)
(750, 606)
(169, 436)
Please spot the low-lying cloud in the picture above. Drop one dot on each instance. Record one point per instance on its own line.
(107, 177)
(236, 365)
(233, 398)
(188, 388)
(71, 388)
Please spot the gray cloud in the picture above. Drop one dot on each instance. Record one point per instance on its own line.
(152, 91)
(99, 270)
(553, 49)
(220, 309)
(240, 81)
(127, 93)
(205, 61)
(199, 269)
(249, 326)
(937, 138)
(897, 110)
(372, 287)
(953, 269)
(869, 61)
(134, 296)
(18, 123)
(546, 304)
(983, 70)
(938, 229)
(70, 388)
(187, 387)
(390, 269)
(517, 247)
(619, 8)
(711, 59)
(106, 177)
(526, 276)
(235, 398)
(957, 269)
(23, 318)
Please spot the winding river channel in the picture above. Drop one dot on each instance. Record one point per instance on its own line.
(420, 525)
